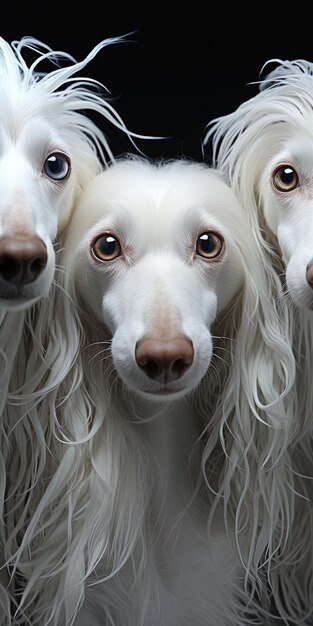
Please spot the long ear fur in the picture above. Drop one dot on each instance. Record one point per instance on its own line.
(246, 458)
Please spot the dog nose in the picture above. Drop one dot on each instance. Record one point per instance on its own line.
(309, 274)
(164, 361)
(22, 259)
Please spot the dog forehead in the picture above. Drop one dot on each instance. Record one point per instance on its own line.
(160, 196)
(299, 150)
(28, 130)
(145, 205)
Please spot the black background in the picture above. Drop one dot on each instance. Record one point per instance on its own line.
(178, 70)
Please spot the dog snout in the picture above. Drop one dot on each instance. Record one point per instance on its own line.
(22, 259)
(164, 361)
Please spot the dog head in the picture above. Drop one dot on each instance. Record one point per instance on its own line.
(49, 149)
(156, 253)
(265, 146)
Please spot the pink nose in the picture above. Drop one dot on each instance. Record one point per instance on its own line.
(22, 259)
(164, 361)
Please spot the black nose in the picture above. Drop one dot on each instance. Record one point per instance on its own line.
(22, 259)
(164, 361)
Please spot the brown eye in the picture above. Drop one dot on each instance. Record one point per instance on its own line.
(106, 248)
(285, 178)
(209, 245)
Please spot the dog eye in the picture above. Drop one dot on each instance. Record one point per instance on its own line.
(209, 245)
(57, 166)
(285, 178)
(106, 248)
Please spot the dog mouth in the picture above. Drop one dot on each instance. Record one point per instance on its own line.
(16, 299)
(164, 392)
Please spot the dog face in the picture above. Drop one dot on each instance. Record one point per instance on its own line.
(48, 150)
(155, 254)
(35, 185)
(286, 189)
(265, 148)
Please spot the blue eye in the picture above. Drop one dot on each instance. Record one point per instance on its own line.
(57, 166)
(209, 244)
(106, 248)
(285, 178)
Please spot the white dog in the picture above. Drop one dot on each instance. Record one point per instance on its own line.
(151, 434)
(265, 148)
(50, 149)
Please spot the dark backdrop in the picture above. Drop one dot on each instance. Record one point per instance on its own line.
(176, 72)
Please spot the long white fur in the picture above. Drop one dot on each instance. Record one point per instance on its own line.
(44, 106)
(150, 507)
(273, 128)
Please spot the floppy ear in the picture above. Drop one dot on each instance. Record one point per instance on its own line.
(47, 353)
(249, 433)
